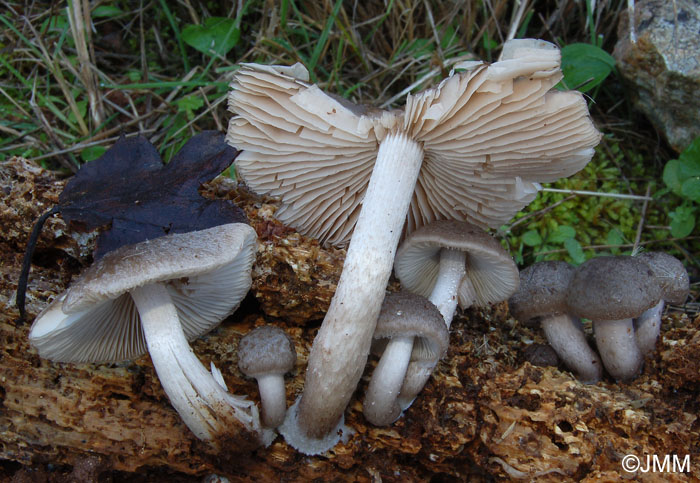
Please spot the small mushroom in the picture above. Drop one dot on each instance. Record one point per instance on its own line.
(415, 334)
(611, 291)
(675, 285)
(542, 295)
(451, 261)
(472, 148)
(153, 297)
(267, 353)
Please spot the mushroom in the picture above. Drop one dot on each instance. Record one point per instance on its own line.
(472, 148)
(415, 334)
(267, 353)
(542, 295)
(153, 297)
(611, 291)
(450, 261)
(675, 285)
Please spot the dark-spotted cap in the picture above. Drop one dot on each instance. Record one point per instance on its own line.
(542, 292)
(406, 314)
(670, 274)
(612, 288)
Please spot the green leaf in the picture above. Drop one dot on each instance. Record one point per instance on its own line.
(575, 251)
(682, 221)
(671, 176)
(585, 66)
(690, 189)
(561, 234)
(106, 11)
(217, 35)
(691, 154)
(189, 104)
(532, 238)
(92, 152)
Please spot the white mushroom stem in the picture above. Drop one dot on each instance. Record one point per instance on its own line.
(618, 348)
(340, 350)
(380, 406)
(647, 328)
(565, 335)
(450, 274)
(202, 403)
(273, 399)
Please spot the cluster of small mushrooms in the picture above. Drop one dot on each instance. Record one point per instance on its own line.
(623, 296)
(460, 157)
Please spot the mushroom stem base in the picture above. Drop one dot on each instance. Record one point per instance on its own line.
(202, 403)
(618, 348)
(565, 335)
(380, 406)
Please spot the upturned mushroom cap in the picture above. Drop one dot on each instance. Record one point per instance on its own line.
(492, 275)
(542, 292)
(612, 288)
(406, 314)
(670, 274)
(207, 273)
(266, 350)
(490, 134)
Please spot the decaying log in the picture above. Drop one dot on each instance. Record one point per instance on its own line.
(486, 413)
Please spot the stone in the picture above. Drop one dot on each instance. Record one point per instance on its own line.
(663, 66)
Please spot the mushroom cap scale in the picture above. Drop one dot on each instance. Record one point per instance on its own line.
(543, 290)
(206, 273)
(492, 275)
(612, 288)
(490, 133)
(266, 350)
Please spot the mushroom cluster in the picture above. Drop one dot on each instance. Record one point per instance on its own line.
(623, 296)
(152, 297)
(474, 148)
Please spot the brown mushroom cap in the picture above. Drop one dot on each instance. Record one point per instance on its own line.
(542, 292)
(266, 350)
(612, 288)
(406, 314)
(490, 271)
(670, 274)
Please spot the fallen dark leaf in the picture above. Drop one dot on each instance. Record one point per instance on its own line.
(131, 190)
(132, 196)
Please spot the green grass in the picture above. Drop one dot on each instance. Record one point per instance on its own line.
(72, 81)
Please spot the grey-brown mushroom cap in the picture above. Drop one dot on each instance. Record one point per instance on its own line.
(543, 289)
(266, 350)
(670, 274)
(490, 134)
(206, 273)
(612, 288)
(406, 314)
(490, 271)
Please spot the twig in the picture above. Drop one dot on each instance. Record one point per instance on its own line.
(596, 193)
(640, 226)
(27, 261)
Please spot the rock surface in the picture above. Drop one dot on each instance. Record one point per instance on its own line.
(663, 66)
(485, 414)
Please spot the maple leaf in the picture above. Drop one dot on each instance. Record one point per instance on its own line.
(132, 196)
